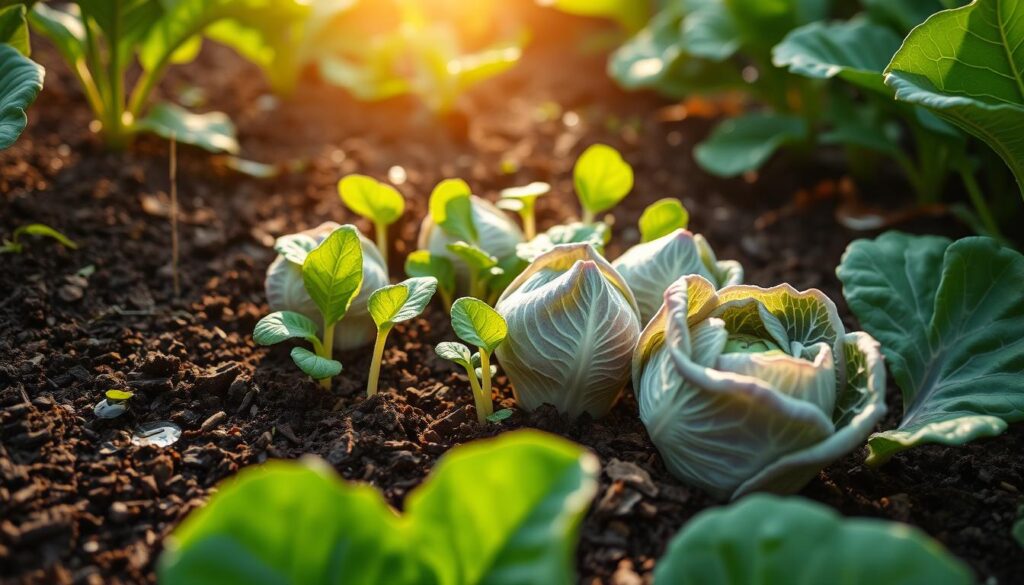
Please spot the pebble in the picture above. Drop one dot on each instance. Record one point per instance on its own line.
(213, 421)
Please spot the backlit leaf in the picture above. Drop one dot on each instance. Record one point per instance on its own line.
(602, 178)
(476, 323)
(333, 273)
(662, 218)
(401, 302)
(372, 199)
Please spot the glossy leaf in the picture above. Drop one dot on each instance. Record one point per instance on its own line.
(212, 131)
(451, 209)
(333, 273)
(766, 539)
(602, 178)
(965, 66)
(401, 302)
(949, 316)
(315, 528)
(372, 199)
(476, 323)
(283, 325)
(746, 143)
(21, 79)
(573, 324)
(661, 218)
(454, 351)
(316, 367)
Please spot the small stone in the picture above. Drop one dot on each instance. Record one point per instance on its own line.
(213, 421)
(70, 293)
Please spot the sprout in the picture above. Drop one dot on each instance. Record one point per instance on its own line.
(422, 263)
(651, 267)
(573, 324)
(602, 179)
(332, 274)
(16, 246)
(523, 200)
(394, 304)
(114, 405)
(661, 218)
(749, 389)
(476, 323)
(287, 292)
(458, 216)
(378, 202)
(482, 267)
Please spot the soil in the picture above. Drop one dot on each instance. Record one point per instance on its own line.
(79, 503)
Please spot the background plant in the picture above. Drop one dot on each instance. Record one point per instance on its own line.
(380, 203)
(14, 245)
(21, 79)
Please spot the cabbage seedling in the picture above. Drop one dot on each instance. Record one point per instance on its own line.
(332, 274)
(482, 267)
(422, 263)
(602, 179)
(662, 218)
(523, 200)
(16, 246)
(376, 201)
(476, 323)
(394, 304)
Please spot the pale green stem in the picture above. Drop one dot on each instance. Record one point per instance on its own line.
(325, 350)
(529, 221)
(980, 205)
(478, 395)
(382, 239)
(378, 353)
(485, 390)
(588, 216)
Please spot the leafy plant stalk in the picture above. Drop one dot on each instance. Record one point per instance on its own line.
(394, 304)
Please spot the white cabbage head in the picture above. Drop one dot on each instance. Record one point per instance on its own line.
(286, 292)
(499, 235)
(572, 326)
(750, 389)
(651, 267)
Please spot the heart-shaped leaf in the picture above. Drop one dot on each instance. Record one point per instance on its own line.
(315, 529)
(949, 317)
(662, 218)
(212, 131)
(282, 325)
(316, 367)
(333, 273)
(602, 178)
(476, 323)
(745, 143)
(401, 302)
(452, 209)
(372, 199)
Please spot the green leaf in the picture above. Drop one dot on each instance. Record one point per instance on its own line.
(64, 30)
(762, 24)
(118, 395)
(500, 415)
(14, 28)
(766, 539)
(1018, 527)
(857, 51)
(949, 318)
(904, 15)
(372, 199)
(422, 263)
(746, 143)
(316, 529)
(454, 351)
(401, 302)
(283, 325)
(44, 231)
(316, 367)
(527, 192)
(476, 323)
(965, 66)
(452, 210)
(662, 218)
(213, 131)
(21, 79)
(602, 178)
(630, 14)
(333, 273)
(477, 259)
(596, 234)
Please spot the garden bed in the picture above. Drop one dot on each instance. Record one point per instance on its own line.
(79, 503)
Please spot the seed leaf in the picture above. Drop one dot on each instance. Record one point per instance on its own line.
(282, 325)
(372, 199)
(401, 302)
(662, 218)
(315, 366)
(42, 230)
(333, 273)
(477, 259)
(118, 395)
(454, 351)
(452, 209)
(602, 178)
(476, 323)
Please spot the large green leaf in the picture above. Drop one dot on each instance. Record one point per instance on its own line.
(123, 23)
(20, 82)
(904, 15)
(966, 65)
(857, 51)
(744, 144)
(476, 323)
(314, 529)
(949, 317)
(766, 539)
(14, 28)
(212, 131)
(333, 273)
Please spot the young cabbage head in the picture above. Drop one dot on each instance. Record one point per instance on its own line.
(394, 304)
(376, 201)
(651, 267)
(286, 290)
(573, 324)
(332, 276)
(748, 389)
(602, 179)
(476, 323)
(458, 216)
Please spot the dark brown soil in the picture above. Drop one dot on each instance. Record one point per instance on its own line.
(80, 504)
